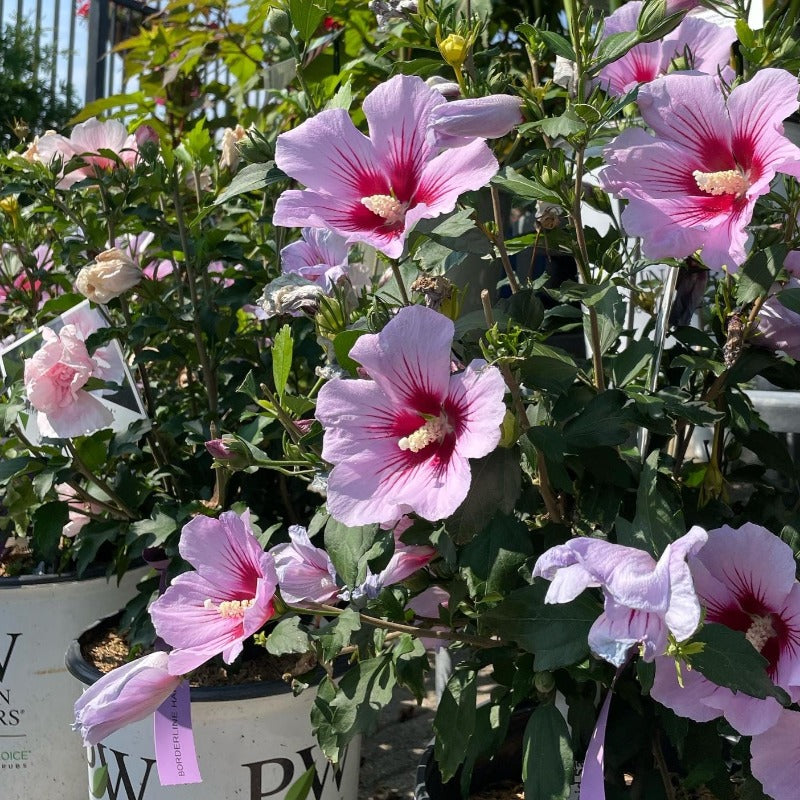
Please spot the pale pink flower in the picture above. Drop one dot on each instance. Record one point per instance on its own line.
(460, 122)
(402, 441)
(123, 696)
(745, 579)
(54, 378)
(708, 44)
(645, 599)
(305, 572)
(136, 246)
(375, 189)
(227, 599)
(77, 520)
(427, 604)
(110, 275)
(775, 756)
(777, 326)
(21, 282)
(320, 256)
(85, 141)
(694, 184)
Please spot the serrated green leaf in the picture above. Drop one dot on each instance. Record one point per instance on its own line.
(287, 637)
(282, 348)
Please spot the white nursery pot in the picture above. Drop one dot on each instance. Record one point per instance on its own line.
(253, 741)
(40, 758)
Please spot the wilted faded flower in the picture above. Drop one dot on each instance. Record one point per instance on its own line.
(387, 10)
(229, 149)
(112, 273)
(290, 294)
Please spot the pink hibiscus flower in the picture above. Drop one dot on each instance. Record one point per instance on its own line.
(123, 696)
(228, 598)
(305, 572)
(54, 379)
(777, 326)
(745, 578)
(85, 141)
(775, 756)
(645, 599)
(694, 184)
(320, 256)
(401, 441)
(709, 46)
(375, 189)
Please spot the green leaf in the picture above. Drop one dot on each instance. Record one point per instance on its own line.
(99, 781)
(659, 519)
(547, 760)
(631, 362)
(548, 369)
(282, 347)
(728, 659)
(567, 124)
(306, 17)
(48, 522)
(346, 546)
(343, 97)
(342, 344)
(509, 180)
(495, 487)
(334, 635)
(612, 48)
(455, 721)
(159, 527)
(287, 637)
(557, 43)
(610, 308)
(253, 177)
(557, 634)
(790, 298)
(604, 421)
(759, 273)
(10, 467)
(302, 786)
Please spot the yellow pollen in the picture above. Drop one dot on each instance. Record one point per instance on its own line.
(230, 608)
(760, 632)
(728, 181)
(386, 206)
(434, 430)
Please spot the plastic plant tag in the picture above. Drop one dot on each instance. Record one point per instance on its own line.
(176, 758)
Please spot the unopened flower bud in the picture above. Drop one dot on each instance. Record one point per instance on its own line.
(112, 274)
(454, 50)
(278, 22)
(544, 682)
(230, 452)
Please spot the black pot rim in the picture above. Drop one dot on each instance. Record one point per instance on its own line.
(87, 674)
(90, 573)
(421, 775)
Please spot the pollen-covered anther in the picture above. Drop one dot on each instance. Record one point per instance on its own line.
(230, 608)
(386, 206)
(760, 632)
(434, 430)
(727, 181)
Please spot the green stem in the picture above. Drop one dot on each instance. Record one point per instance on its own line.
(101, 483)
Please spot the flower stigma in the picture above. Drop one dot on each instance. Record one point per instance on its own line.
(386, 206)
(434, 430)
(760, 632)
(230, 608)
(727, 181)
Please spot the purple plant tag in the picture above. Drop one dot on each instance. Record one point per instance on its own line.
(176, 758)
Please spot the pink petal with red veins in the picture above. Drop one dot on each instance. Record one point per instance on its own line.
(397, 113)
(475, 401)
(410, 358)
(328, 154)
(689, 109)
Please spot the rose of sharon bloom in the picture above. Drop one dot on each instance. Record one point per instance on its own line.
(320, 256)
(745, 579)
(694, 184)
(112, 274)
(85, 141)
(135, 245)
(462, 121)
(304, 572)
(375, 189)
(777, 326)
(401, 441)
(228, 598)
(123, 696)
(77, 520)
(708, 44)
(54, 378)
(775, 756)
(10, 261)
(645, 600)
